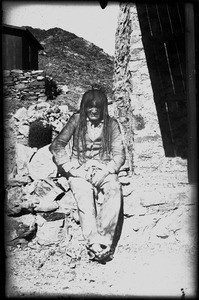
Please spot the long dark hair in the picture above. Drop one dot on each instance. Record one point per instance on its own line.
(100, 99)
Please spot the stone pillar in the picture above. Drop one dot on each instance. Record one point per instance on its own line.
(122, 85)
(134, 102)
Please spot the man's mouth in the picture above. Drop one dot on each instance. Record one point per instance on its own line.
(94, 115)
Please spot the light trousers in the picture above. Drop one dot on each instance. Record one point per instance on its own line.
(97, 226)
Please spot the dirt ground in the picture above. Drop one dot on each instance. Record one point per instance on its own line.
(141, 266)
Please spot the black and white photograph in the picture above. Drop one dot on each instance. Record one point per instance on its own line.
(100, 103)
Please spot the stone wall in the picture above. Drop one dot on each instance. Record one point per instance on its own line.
(134, 101)
(155, 198)
(22, 85)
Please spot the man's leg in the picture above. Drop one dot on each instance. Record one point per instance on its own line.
(83, 194)
(108, 216)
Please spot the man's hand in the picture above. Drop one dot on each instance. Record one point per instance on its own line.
(93, 163)
(79, 172)
(74, 169)
(99, 176)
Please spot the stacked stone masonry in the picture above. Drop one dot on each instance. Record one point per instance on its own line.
(135, 105)
(122, 80)
(22, 85)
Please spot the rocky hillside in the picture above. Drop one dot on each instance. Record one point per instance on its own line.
(73, 61)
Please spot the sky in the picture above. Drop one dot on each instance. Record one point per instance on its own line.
(85, 19)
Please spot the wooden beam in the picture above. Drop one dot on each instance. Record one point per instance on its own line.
(191, 92)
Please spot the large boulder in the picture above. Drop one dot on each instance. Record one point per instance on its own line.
(20, 229)
(17, 202)
(52, 228)
(47, 192)
(41, 165)
(23, 156)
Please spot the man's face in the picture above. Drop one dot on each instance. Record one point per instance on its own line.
(94, 113)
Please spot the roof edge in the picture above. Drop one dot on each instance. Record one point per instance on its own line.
(23, 28)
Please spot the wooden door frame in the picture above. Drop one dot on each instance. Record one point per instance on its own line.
(190, 20)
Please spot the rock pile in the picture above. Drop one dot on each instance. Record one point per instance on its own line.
(35, 188)
(33, 194)
(55, 116)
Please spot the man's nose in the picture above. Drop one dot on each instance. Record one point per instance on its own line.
(94, 109)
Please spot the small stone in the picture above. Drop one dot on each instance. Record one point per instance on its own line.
(43, 105)
(42, 99)
(24, 130)
(58, 127)
(40, 78)
(16, 71)
(63, 108)
(64, 89)
(32, 98)
(37, 72)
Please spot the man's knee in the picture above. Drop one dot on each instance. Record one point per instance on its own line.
(80, 185)
(112, 183)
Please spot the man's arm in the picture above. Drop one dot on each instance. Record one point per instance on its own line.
(57, 147)
(118, 155)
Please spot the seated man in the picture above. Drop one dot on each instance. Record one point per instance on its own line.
(97, 155)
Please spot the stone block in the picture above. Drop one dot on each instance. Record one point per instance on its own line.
(67, 202)
(23, 155)
(21, 114)
(45, 204)
(46, 192)
(23, 129)
(42, 99)
(14, 200)
(52, 231)
(18, 201)
(64, 109)
(42, 105)
(39, 78)
(37, 72)
(150, 198)
(16, 72)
